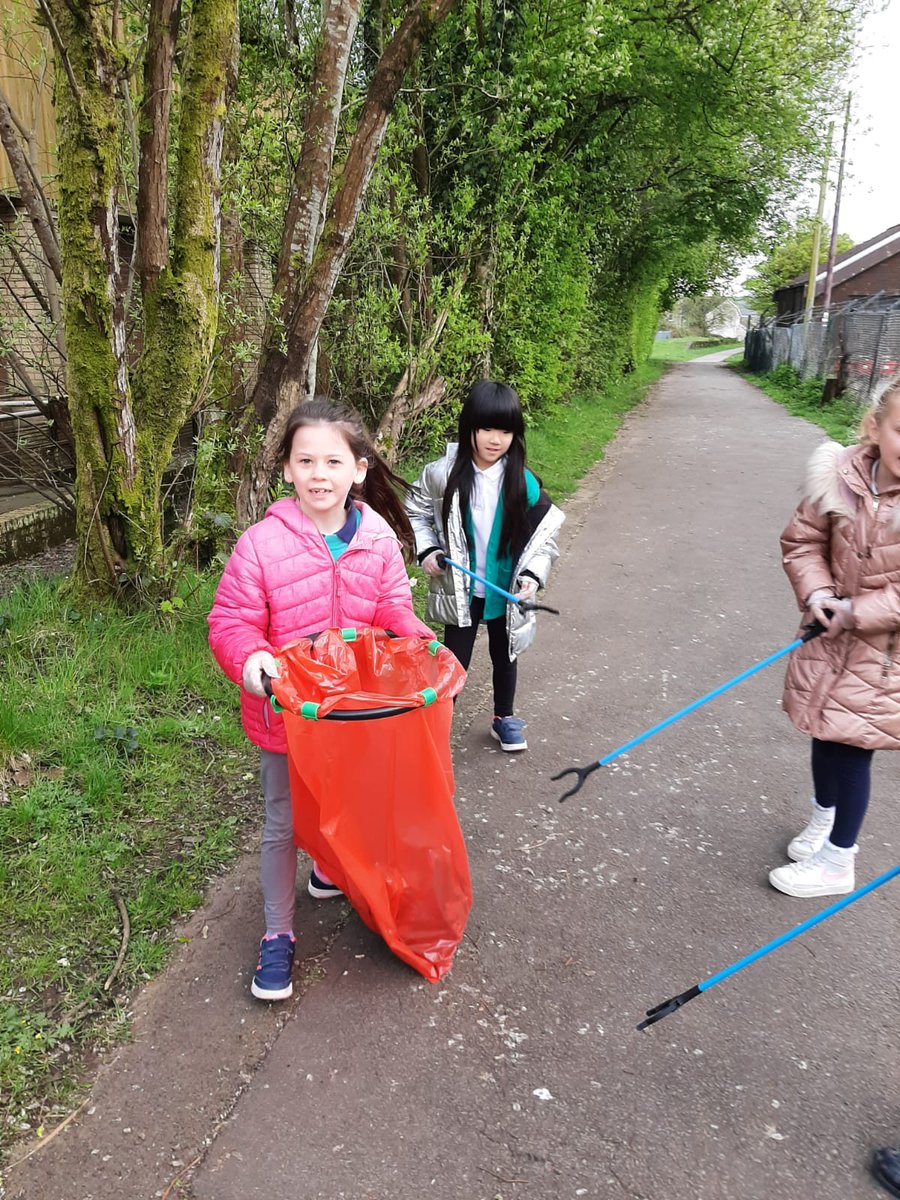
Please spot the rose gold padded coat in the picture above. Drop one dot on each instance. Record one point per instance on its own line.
(842, 537)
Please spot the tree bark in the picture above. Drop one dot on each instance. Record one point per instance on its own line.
(152, 249)
(181, 302)
(309, 191)
(123, 433)
(97, 379)
(29, 189)
(286, 375)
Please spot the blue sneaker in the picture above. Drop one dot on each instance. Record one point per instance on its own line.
(886, 1169)
(319, 889)
(508, 732)
(272, 980)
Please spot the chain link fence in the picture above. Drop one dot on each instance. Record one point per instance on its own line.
(857, 344)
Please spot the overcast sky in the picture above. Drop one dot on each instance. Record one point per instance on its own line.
(871, 195)
(870, 198)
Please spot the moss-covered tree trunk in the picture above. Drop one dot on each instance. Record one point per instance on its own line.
(97, 376)
(126, 414)
(181, 301)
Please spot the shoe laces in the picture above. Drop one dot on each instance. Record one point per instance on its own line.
(816, 862)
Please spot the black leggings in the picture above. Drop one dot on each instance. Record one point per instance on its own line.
(841, 775)
(461, 640)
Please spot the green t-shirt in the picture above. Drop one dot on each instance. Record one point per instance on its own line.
(498, 568)
(338, 542)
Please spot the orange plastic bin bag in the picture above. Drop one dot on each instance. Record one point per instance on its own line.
(368, 728)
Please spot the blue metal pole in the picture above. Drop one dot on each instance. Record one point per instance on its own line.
(810, 631)
(801, 928)
(486, 582)
(675, 1002)
(607, 758)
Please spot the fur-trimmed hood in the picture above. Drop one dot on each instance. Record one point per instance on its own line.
(837, 475)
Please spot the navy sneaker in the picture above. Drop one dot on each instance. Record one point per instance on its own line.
(508, 732)
(886, 1169)
(272, 980)
(319, 889)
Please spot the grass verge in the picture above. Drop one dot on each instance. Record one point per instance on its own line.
(126, 783)
(570, 439)
(803, 398)
(680, 349)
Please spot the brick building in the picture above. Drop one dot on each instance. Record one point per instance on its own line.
(870, 269)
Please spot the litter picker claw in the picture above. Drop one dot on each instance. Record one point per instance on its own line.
(524, 605)
(669, 1006)
(581, 773)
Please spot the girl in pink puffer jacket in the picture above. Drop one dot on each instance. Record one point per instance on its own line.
(323, 559)
(841, 551)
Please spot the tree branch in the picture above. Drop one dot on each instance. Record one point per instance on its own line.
(29, 316)
(309, 191)
(24, 377)
(282, 376)
(30, 191)
(28, 277)
(357, 171)
(60, 48)
(152, 198)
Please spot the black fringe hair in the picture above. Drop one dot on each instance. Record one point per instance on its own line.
(492, 406)
(381, 488)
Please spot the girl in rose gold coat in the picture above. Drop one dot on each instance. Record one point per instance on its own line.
(841, 552)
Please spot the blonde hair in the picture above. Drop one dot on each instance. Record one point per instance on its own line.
(874, 414)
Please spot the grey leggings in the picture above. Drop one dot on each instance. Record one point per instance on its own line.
(278, 854)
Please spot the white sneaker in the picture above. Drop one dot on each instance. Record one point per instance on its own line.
(818, 875)
(812, 838)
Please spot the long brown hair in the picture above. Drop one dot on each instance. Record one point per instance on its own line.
(381, 488)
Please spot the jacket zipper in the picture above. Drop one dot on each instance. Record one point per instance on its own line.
(887, 661)
(336, 576)
(335, 583)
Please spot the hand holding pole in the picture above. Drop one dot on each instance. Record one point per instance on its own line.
(814, 629)
(523, 605)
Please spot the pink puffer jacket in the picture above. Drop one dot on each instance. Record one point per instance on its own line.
(847, 689)
(281, 583)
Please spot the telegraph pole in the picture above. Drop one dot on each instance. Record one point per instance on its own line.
(817, 231)
(829, 270)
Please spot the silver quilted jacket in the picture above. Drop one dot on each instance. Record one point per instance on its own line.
(448, 594)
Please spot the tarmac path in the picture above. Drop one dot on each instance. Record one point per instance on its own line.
(521, 1075)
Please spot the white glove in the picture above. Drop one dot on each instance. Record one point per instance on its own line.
(528, 588)
(431, 565)
(818, 595)
(841, 615)
(260, 663)
(818, 601)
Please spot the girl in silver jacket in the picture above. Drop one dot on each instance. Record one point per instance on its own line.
(481, 506)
